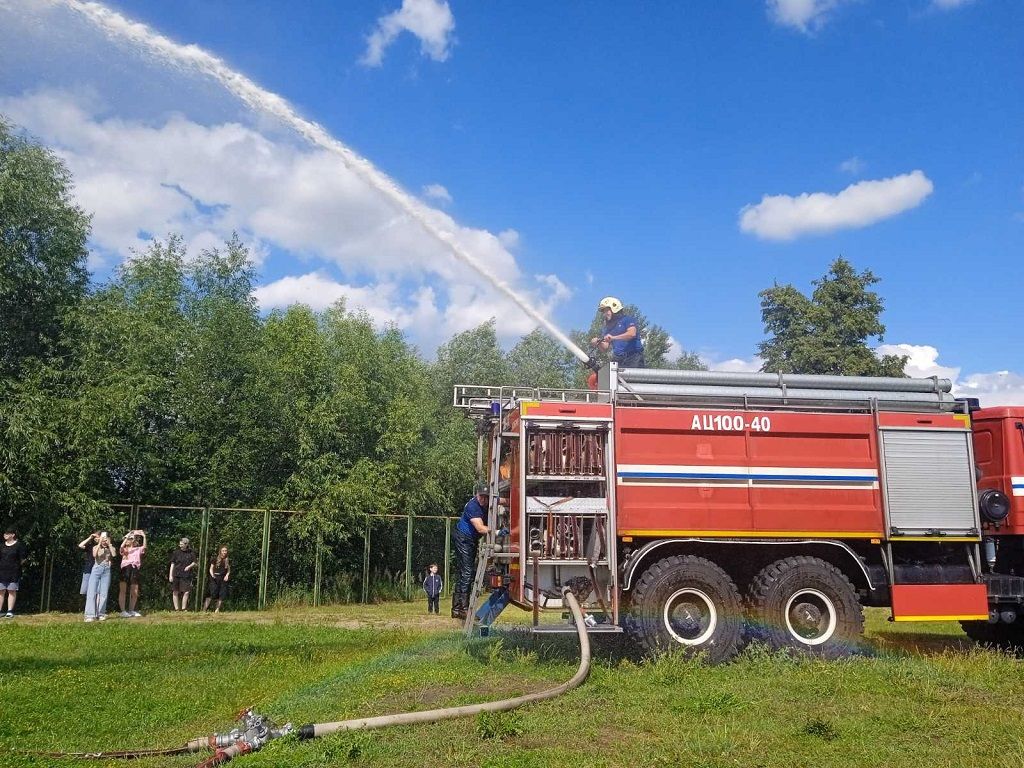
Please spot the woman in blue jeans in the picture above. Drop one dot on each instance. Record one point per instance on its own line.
(99, 579)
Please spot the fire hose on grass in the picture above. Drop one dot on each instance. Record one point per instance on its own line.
(258, 730)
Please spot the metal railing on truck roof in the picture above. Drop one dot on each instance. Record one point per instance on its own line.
(477, 398)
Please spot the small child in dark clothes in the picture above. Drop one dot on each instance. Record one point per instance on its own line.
(433, 585)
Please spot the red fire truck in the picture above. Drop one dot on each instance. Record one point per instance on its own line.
(696, 509)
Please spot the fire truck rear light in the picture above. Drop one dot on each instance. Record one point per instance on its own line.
(994, 505)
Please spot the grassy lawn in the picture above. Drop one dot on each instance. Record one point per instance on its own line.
(920, 696)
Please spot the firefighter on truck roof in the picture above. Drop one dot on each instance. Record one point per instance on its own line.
(621, 335)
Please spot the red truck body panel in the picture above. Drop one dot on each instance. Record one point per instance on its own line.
(685, 471)
(939, 602)
(999, 453)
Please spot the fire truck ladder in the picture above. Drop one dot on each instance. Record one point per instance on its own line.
(483, 616)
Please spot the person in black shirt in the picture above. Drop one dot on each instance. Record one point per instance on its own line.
(182, 573)
(220, 575)
(12, 558)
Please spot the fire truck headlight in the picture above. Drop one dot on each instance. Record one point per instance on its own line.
(994, 505)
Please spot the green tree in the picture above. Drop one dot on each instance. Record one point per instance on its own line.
(828, 332)
(470, 357)
(134, 341)
(220, 399)
(690, 361)
(537, 360)
(42, 250)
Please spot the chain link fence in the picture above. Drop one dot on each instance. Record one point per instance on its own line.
(271, 565)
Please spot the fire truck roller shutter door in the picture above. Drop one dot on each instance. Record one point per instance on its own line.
(687, 603)
(806, 604)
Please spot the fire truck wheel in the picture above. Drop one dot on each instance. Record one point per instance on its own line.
(808, 605)
(687, 603)
(1008, 637)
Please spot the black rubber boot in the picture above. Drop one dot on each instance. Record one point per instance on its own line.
(459, 601)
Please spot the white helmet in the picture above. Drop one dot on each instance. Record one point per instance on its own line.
(610, 302)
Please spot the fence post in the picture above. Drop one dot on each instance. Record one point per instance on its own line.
(366, 562)
(317, 569)
(264, 562)
(408, 558)
(447, 553)
(49, 581)
(42, 586)
(204, 546)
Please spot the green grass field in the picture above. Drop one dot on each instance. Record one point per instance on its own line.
(920, 696)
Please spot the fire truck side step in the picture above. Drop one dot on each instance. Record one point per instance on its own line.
(570, 629)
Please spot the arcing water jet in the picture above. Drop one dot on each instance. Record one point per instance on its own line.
(121, 28)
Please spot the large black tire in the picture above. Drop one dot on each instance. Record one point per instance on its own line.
(686, 603)
(806, 605)
(1007, 637)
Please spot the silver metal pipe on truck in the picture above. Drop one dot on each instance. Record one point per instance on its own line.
(780, 381)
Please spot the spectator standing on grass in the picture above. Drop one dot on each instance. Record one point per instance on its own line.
(132, 549)
(220, 575)
(12, 559)
(103, 554)
(181, 574)
(86, 545)
(433, 585)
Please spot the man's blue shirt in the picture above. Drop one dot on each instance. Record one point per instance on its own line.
(619, 325)
(471, 510)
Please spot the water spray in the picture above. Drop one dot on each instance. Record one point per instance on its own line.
(119, 27)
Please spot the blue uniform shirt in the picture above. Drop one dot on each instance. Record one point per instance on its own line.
(471, 510)
(618, 325)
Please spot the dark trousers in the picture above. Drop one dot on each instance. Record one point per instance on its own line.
(465, 556)
(632, 360)
(433, 604)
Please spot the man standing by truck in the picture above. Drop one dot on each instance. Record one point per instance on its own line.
(621, 335)
(466, 537)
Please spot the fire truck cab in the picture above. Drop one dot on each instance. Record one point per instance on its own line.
(698, 509)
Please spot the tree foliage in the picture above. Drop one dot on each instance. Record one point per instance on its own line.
(43, 279)
(828, 332)
(42, 251)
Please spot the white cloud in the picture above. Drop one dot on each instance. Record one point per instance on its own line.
(852, 165)
(803, 15)
(922, 360)
(429, 20)
(997, 388)
(994, 388)
(949, 4)
(437, 192)
(675, 349)
(509, 238)
(736, 365)
(419, 313)
(204, 182)
(784, 217)
(559, 291)
(381, 301)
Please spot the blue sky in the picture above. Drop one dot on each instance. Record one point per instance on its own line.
(657, 152)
